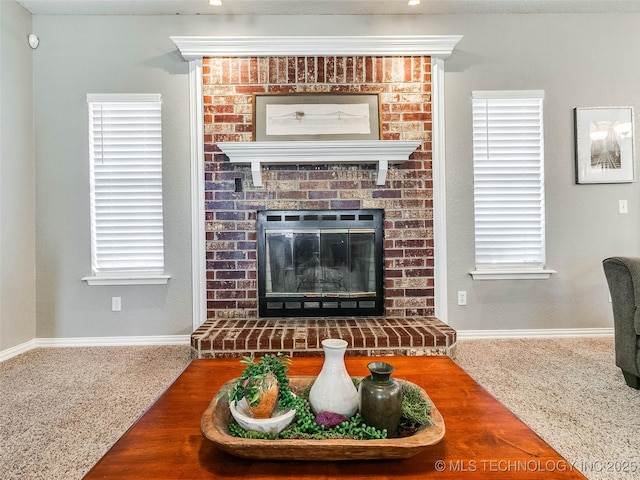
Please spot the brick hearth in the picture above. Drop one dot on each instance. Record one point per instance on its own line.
(408, 336)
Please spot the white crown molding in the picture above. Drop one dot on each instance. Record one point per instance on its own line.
(321, 152)
(193, 47)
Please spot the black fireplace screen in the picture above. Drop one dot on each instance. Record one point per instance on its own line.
(320, 262)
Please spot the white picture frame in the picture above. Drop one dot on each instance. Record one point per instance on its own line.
(604, 143)
(316, 116)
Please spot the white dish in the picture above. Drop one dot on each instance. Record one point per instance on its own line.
(275, 424)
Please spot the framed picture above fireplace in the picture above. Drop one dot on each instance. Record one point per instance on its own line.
(316, 116)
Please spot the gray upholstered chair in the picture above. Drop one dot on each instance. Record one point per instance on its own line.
(623, 277)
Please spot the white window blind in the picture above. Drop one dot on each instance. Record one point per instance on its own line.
(508, 173)
(125, 144)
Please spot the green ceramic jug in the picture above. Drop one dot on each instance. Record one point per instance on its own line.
(381, 398)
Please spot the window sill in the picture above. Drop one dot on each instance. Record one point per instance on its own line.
(141, 279)
(512, 274)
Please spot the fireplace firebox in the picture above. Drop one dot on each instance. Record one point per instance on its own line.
(320, 263)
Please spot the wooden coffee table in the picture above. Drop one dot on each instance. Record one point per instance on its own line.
(483, 439)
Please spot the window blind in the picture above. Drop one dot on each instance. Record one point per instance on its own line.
(508, 161)
(125, 143)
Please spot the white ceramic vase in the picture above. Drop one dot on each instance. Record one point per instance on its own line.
(333, 389)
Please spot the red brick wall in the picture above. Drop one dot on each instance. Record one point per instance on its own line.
(405, 87)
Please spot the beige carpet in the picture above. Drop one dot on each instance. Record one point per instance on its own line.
(570, 392)
(62, 408)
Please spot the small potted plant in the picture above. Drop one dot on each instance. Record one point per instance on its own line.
(260, 383)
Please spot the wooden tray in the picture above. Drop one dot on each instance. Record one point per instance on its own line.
(215, 421)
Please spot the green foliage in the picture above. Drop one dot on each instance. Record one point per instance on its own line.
(255, 377)
(415, 408)
(305, 426)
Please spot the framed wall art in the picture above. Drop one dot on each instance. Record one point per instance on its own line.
(604, 139)
(316, 116)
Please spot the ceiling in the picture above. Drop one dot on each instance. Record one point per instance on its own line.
(323, 7)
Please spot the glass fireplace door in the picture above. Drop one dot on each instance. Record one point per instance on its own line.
(320, 263)
(336, 262)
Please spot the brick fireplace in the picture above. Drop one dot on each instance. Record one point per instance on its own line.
(233, 326)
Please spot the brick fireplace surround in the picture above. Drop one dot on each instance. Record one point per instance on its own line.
(233, 328)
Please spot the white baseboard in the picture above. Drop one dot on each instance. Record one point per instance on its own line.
(186, 339)
(94, 342)
(534, 333)
(113, 341)
(17, 350)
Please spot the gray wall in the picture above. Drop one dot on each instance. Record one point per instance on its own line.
(80, 55)
(579, 60)
(17, 215)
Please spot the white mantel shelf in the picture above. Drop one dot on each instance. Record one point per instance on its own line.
(323, 152)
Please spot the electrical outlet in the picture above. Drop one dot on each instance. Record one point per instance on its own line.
(462, 297)
(116, 304)
(622, 206)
